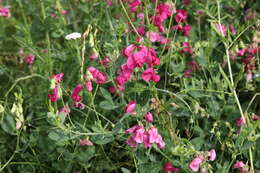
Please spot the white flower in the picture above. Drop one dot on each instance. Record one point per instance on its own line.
(73, 36)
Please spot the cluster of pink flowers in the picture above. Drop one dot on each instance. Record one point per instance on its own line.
(55, 86)
(148, 137)
(137, 56)
(134, 5)
(141, 135)
(199, 159)
(222, 29)
(156, 37)
(184, 29)
(5, 12)
(163, 11)
(193, 66)
(169, 168)
(95, 75)
(75, 96)
(248, 60)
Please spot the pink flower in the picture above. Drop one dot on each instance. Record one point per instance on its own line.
(212, 155)
(65, 110)
(154, 137)
(105, 61)
(149, 117)
(93, 56)
(239, 164)
(29, 59)
(133, 129)
(79, 105)
(233, 29)
(149, 74)
(241, 121)
(128, 50)
(140, 30)
(153, 36)
(138, 135)
(75, 94)
(186, 2)
(195, 164)
(57, 77)
(85, 142)
(131, 142)
(255, 117)
(221, 29)
(181, 16)
(186, 30)
(109, 3)
(89, 86)
(20, 52)
(130, 107)
(55, 95)
(99, 77)
(5, 12)
(187, 73)
(241, 52)
(134, 4)
(164, 11)
(64, 12)
(186, 48)
(169, 168)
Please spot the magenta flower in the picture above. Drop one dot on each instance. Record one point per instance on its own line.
(149, 117)
(99, 77)
(141, 30)
(241, 121)
(233, 29)
(186, 2)
(57, 77)
(131, 142)
(29, 59)
(93, 56)
(186, 48)
(255, 117)
(149, 74)
(153, 36)
(138, 135)
(195, 164)
(55, 95)
(223, 28)
(89, 86)
(134, 4)
(85, 142)
(239, 164)
(186, 30)
(241, 52)
(65, 110)
(109, 3)
(130, 107)
(169, 168)
(5, 12)
(181, 16)
(212, 155)
(75, 94)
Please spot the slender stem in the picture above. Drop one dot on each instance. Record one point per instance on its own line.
(131, 23)
(232, 83)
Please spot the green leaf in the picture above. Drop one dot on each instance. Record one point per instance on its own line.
(103, 139)
(107, 105)
(124, 170)
(8, 124)
(106, 95)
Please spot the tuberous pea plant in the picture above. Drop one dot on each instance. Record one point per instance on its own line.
(129, 86)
